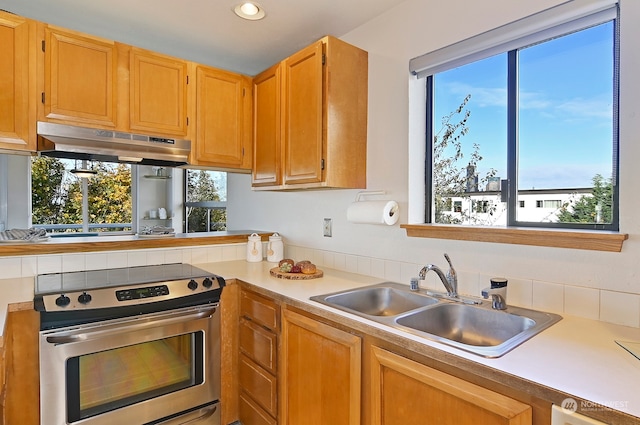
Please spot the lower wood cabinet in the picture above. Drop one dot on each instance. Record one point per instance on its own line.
(258, 360)
(404, 392)
(320, 373)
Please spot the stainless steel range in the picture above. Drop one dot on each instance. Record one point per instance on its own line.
(138, 345)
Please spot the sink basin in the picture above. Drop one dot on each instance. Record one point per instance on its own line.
(383, 300)
(468, 325)
(475, 328)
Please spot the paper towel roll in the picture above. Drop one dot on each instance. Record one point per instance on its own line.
(373, 212)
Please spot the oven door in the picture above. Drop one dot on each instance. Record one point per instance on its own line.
(146, 369)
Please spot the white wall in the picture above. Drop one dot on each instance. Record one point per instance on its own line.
(413, 28)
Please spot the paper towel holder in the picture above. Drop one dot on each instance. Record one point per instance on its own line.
(373, 212)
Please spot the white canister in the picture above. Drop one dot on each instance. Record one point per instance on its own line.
(275, 249)
(254, 248)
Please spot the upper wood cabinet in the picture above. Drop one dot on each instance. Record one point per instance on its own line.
(266, 128)
(17, 83)
(158, 93)
(221, 104)
(80, 78)
(313, 107)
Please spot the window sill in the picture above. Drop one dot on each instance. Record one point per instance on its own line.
(576, 239)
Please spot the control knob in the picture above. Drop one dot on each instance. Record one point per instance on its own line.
(63, 301)
(207, 283)
(84, 298)
(193, 285)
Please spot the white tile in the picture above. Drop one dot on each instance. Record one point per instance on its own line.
(116, 259)
(582, 302)
(29, 266)
(49, 283)
(351, 263)
(173, 256)
(548, 297)
(393, 271)
(228, 253)
(620, 308)
(328, 259)
(73, 262)
(520, 292)
(11, 267)
(96, 261)
(241, 252)
(49, 264)
(377, 268)
(186, 256)
(199, 255)
(471, 284)
(364, 265)
(139, 257)
(154, 257)
(407, 271)
(340, 261)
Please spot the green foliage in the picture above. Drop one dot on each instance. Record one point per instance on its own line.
(201, 188)
(57, 195)
(449, 171)
(585, 208)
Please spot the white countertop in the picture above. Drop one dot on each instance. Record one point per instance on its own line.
(576, 356)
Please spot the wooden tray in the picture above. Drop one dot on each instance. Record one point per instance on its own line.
(295, 276)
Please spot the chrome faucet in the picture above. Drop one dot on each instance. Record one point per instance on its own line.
(498, 293)
(450, 281)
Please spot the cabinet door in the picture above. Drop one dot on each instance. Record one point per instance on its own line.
(320, 373)
(17, 83)
(80, 84)
(303, 116)
(223, 119)
(158, 97)
(404, 392)
(266, 128)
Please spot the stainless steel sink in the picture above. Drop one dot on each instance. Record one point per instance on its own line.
(476, 328)
(382, 300)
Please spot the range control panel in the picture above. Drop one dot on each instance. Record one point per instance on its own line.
(114, 295)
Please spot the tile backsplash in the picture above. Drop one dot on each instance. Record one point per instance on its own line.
(609, 306)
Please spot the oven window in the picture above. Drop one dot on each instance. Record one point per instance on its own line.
(108, 380)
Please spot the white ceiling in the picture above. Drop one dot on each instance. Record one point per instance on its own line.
(207, 31)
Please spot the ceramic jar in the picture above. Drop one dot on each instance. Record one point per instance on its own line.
(254, 248)
(275, 248)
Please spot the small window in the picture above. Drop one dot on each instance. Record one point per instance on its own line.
(539, 204)
(70, 196)
(521, 204)
(205, 201)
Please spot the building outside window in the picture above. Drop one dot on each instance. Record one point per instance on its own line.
(538, 117)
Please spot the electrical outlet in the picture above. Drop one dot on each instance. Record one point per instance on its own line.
(327, 227)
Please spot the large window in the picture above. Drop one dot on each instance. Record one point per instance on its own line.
(69, 196)
(527, 137)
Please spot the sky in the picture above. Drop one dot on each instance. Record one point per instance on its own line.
(565, 110)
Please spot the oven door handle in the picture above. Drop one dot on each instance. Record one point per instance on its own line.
(204, 414)
(100, 331)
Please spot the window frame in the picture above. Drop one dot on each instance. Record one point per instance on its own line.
(509, 190)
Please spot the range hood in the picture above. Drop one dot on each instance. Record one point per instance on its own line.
(66, 141)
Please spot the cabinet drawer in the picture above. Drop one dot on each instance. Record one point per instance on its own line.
(252, 414)
(260, 310)
(258, 344)
(259, 384)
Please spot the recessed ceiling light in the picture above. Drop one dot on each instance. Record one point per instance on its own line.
(249, 10)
